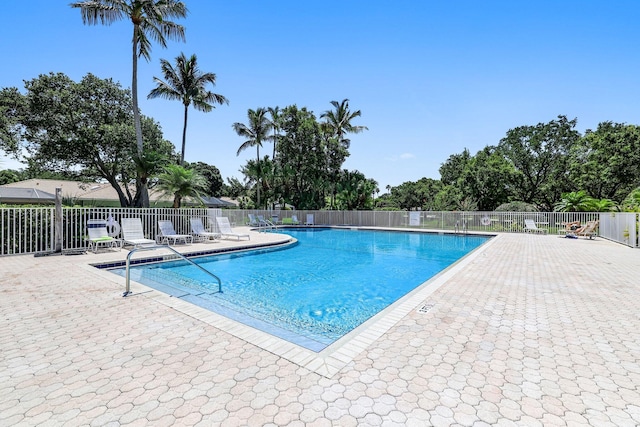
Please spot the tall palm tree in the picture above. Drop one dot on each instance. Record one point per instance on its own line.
(339, 121)
(186, 83)
(274, 121)
(181, 182)
(255, 131)
(150, 20)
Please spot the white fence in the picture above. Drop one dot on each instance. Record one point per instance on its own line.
(31, 230)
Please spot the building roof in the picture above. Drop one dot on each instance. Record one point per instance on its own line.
(25, 195)
(81, 191)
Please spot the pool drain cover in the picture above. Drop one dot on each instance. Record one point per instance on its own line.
(425, 308)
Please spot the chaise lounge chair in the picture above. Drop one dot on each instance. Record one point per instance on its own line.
(226, 230)
(133, 234)
(569, 227)
(531, 227)
(200, 233)
(588, 230)
(169, 234)
(98, 235)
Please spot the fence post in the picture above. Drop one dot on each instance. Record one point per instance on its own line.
(57, 235)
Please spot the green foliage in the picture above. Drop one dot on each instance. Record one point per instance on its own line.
(12, 110)
(181, 182)
(516, 206)
(212, 175)
(631, 203)
(354, 191)
(151, 20)
(8, 176)
(187, 84)
(85, 129)
(255, 133)
(607, 163)
(541, 157)
(576, 201)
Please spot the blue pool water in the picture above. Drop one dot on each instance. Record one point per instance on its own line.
(318, 290)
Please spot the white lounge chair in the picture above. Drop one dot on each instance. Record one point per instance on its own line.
(200, 233)
(133, 234)
(309, 220)
(226, 230)
(253, 221)
(169, 234)
(98, 235)
(531, 227)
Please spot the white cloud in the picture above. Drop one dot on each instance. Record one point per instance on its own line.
(406, 156)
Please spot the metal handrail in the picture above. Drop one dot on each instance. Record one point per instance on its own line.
(148, 248)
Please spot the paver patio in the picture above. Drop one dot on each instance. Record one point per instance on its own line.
(534, 330)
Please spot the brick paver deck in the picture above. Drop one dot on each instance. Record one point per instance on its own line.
(534, 330)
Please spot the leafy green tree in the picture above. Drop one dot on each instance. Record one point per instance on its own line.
(516, 206)
(541, 157)
(355, 191)
(255, 132)
(234, 188)
(407, 196)
(486, 178)
(187, 84)
(8, 176)
(212, 175)
(86, 128)
(150, 19)
(12, 111)
(181, 182)
(302, 159)
(607, 162)
(452, 169)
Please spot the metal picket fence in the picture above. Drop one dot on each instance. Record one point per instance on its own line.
(31, 230)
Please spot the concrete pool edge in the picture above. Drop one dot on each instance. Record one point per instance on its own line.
(336, 356)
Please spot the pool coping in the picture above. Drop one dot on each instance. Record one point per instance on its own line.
(337, 355)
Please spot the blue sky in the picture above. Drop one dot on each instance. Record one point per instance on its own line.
(430, 77)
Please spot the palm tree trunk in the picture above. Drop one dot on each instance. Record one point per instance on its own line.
(184, 134)
(259, 173)
(143, 200)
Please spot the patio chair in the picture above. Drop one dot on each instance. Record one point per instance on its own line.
(253, 221)
(133, 234)
(200, 233)
(98, 235)
(169, 234)
(226, 230)
(569, 227)
(531, 227)
(309, 220)
(588, 230)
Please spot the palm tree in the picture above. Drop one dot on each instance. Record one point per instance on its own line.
(339, 121)
(275, 125)
(255, 132)
(186, 83)
(181, 182)
(575, 201)
(150, 21)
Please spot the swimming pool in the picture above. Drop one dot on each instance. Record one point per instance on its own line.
(318, 290)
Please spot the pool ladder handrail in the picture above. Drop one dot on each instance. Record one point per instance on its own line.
(149, 248)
